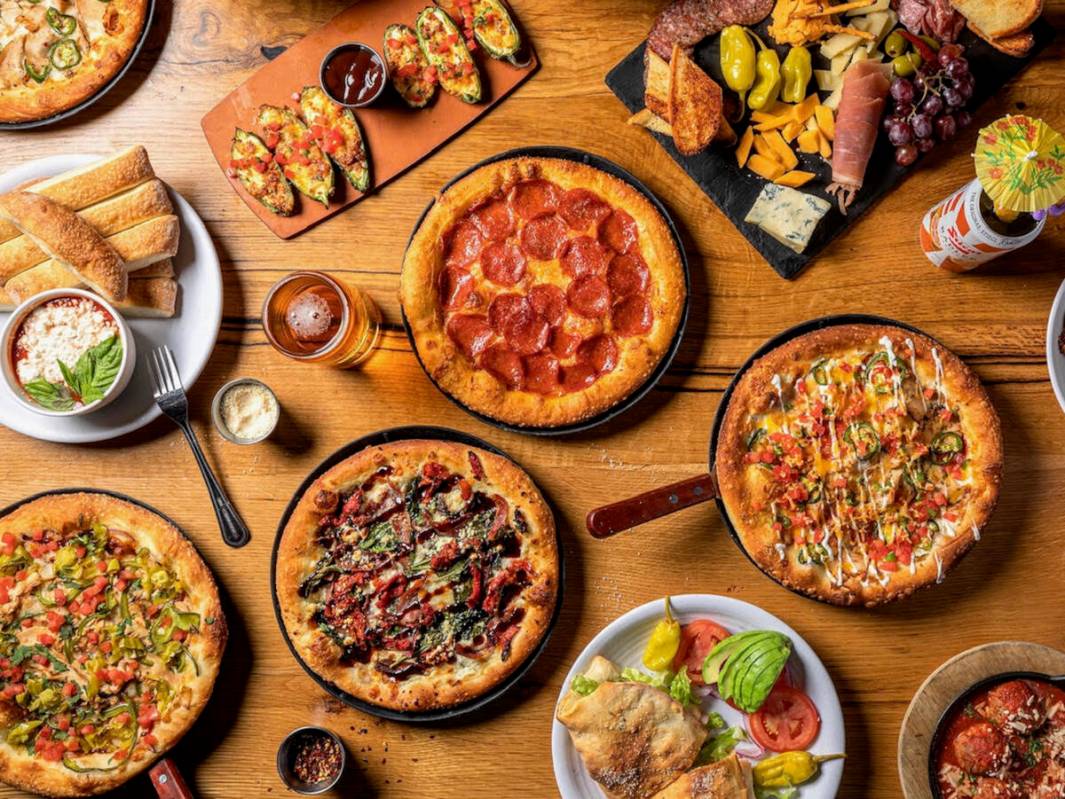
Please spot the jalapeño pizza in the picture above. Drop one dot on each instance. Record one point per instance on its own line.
(542, 291)
(111, 633)
(859, 462)
(418, 575)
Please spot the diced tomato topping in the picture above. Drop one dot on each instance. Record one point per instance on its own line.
(88, 729)
(395, 44)
(150, 739)
(7, 543)
(5, 597)
(70, 689)
(179, 635)
(46, 639)
(21, 575)
(37, 535)
(106, 646)
(63, 722)
(80, 551)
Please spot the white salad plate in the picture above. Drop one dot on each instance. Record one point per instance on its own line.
(623, 641)
(190, 334)
(1055, 360)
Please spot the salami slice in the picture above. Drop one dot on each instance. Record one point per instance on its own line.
(541, 373)
(494, 219)
(632, 316)
(463, 244)
(583, 256)
(601, 353)
(471, 333)
(618, 231)
(578, 377)
(543, 238)
(549, 302)
(740, 12)
(583, 209)
(589, 296)
(505, 365)
(564, 344)
(503, 263)
(685, 23)
(628, 275)
(456, 286)
(535, 198)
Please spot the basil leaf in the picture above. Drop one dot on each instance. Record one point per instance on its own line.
(83, 371)
(107, 360)
(49, 395)
(71, 375)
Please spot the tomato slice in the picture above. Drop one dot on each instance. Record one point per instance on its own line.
(697, 638)
(787, 721)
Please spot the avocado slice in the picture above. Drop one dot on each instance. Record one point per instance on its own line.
(715, 659)
(757, 681)
(737, 666)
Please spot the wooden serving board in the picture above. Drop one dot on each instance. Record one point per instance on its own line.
(945, 685)
(397, 136)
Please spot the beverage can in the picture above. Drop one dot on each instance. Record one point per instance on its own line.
(956, 237)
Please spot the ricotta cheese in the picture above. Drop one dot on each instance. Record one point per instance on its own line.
(59, 330)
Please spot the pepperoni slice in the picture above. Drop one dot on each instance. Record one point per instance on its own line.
(456, 286)
(507, 309)
(600, 353)
(505, 365)
(583, 209)
(541, 373)
(513, 317)
(618, 231)
(578, 377)
(564, 344)
(503, 263)
(494, 219)
(463, 244)
(584, 255)
(589, 296)
(543, 238)
(535, 198)
(632, 316)
(549, 302)
(471, 332)
(628, 275)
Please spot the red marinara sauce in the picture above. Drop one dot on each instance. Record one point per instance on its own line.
(1006, 742)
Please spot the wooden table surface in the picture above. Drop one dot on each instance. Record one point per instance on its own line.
(1010, 587)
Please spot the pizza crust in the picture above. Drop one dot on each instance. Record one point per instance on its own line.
(477, 389)
(166, 544)
(442, 686)
(754, 392)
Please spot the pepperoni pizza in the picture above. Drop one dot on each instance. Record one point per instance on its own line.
(542, 291)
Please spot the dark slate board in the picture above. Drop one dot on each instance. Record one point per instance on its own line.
(734, 190)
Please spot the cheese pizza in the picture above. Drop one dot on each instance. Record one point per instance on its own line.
(859, 462)
(542, 291)
(418, 575)
(111, 633)
(56, 53)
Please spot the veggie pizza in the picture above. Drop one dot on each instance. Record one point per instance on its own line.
(57, 53)
(111, 633)
(418, 575)
(542, 291)
(859, 462)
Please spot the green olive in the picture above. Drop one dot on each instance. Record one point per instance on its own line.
(895, 44)
(906, 65)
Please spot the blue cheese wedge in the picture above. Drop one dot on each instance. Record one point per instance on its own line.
(788, 215)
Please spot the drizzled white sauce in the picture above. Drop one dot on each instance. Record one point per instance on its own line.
(947, 528)
(781, 551)
(939, 373)
(976, 531)
(779, 386)
(939, 567)
(896, 378)
(916, 377)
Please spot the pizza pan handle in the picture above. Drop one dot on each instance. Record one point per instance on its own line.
(168, 782)
(611, 519)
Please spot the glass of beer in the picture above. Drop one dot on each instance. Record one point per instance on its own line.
(310, 316)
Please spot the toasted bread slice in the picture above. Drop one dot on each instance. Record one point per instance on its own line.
(154, 298)
(726, 779)
(695, 104)
(646, 118)
(163, 268)
(999, 18)
(1016, 45)
(656, 85)
(68, 239)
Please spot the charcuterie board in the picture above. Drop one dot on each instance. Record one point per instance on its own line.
(734, 189)
(397, 137)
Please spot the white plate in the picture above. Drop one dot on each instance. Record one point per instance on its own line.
(191, 334)
(1055, 360)
(623, 641)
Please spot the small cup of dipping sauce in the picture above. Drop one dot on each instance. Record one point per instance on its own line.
(353, 74)
(311, 760)
(245, 411)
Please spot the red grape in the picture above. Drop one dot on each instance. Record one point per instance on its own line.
(900, 133)
(902, 90)
(956, 67)
(949, 52)
(946, 127)
(953, 98)
(963, 118)
(905, 155)
(922, 126)
(933, 106)
(925, 145)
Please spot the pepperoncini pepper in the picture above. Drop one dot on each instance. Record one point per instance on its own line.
(767, 87)
(789, 769)
(664, 642)
(737, 60)
(797, 70)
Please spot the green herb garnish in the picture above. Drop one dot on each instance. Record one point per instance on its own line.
(88, 380)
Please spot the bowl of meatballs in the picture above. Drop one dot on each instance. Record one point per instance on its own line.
(1003, 738)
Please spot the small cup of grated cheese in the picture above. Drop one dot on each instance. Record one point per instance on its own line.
(245, 411)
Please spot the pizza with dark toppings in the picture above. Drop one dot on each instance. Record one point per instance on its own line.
(418, 575)
(542, 291)
(54, 54)
(859, 462)
(111, 633)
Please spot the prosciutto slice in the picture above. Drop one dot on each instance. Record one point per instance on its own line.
(865, 89)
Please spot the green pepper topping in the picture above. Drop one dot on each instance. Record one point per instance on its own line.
(65, 54)
(819, 371)
(755, 437)
(863, 438)
(946, 446)
(63, 24)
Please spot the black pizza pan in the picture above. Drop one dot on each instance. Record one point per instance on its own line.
(389, 436)
(88, 101)
(616, 517)
(601, 163)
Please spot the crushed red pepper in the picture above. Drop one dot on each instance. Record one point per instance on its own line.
(317, 759)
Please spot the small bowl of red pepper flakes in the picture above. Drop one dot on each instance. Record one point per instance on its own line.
(311, 760)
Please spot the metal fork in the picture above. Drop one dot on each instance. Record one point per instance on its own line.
(170, 396)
